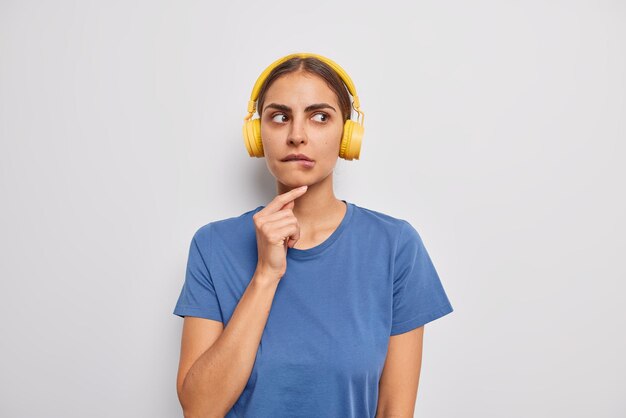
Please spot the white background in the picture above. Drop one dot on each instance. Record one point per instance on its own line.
(497, 128)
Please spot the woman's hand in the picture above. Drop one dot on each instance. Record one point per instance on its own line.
(276, 230)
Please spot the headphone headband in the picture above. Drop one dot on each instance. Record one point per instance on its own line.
(340, 71)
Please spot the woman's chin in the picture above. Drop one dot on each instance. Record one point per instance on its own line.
(292, 184)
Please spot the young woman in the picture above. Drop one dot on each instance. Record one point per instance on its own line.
(309, 306)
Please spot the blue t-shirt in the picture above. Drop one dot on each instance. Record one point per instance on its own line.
(324, 345)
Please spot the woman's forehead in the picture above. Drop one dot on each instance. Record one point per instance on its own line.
(299, 87)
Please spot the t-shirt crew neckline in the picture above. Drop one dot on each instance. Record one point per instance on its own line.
(319, 248)
(296, 253)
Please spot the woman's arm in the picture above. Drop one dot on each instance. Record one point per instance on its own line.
(209, 385)
(397, 389)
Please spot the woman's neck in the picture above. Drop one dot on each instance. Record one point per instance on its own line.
(317, 208)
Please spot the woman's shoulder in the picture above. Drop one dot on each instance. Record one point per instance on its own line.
(386, 220)
(398, 228)
(230, 226)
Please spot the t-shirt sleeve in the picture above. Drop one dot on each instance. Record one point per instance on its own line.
(198, 296)
(418, 295)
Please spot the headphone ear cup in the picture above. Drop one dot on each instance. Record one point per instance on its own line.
(350, 147)
(252, 137)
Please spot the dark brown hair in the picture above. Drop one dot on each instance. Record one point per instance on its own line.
(313, 66)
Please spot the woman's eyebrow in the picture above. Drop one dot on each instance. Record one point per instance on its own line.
(318, 106)
(315, 106)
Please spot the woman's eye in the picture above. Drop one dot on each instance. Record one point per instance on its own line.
(323, 117)
(279, 117)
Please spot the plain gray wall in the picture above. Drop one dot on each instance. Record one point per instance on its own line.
(497, 128)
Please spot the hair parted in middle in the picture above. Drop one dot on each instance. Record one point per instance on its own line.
(313, 66)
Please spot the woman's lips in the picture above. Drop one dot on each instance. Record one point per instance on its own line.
(302, 163)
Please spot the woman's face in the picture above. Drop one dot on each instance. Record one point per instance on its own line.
(301, 115)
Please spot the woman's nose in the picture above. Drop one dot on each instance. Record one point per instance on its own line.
(297, 133)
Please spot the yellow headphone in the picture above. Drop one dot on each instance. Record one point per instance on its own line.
(352, 131)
